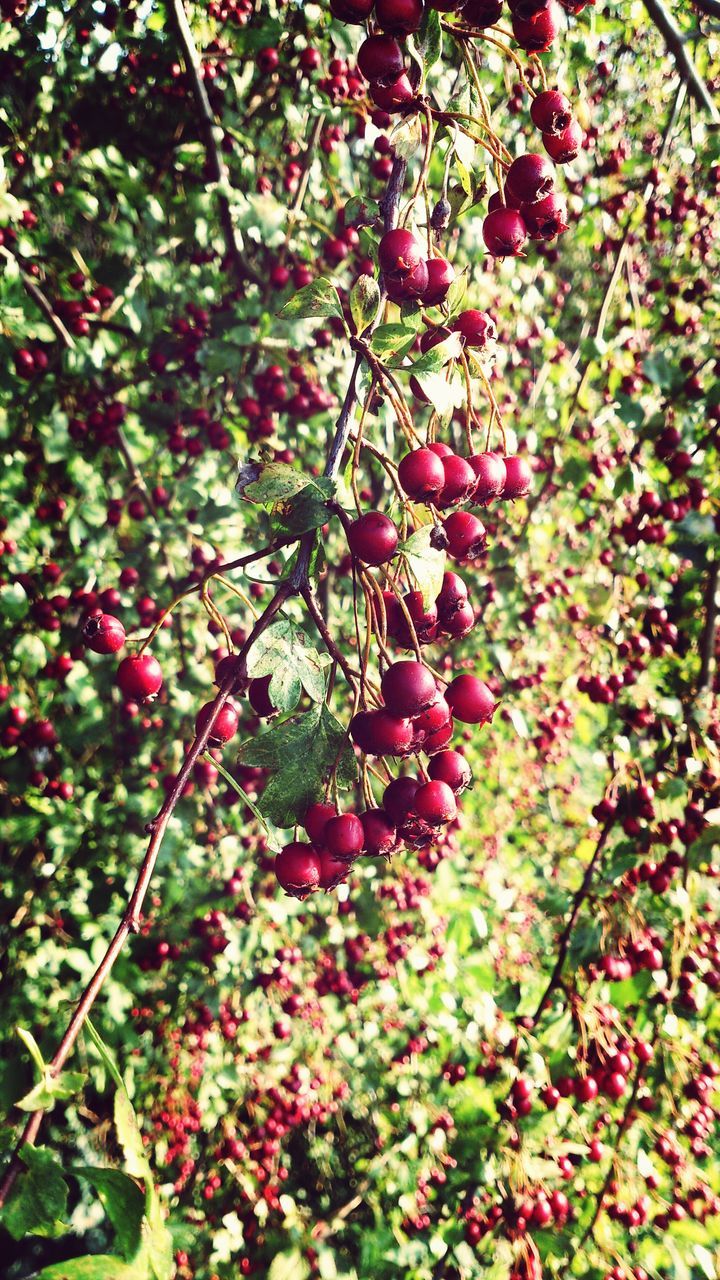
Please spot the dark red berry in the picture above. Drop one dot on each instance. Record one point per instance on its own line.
(298, 869)
(551, 111)
(139, 677)
(470, 700)
(373, 538)
(504, 233)
(104, 634)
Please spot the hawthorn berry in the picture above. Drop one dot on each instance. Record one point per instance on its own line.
(465, 534)
(226, 723)
(139, 677)
(380, 59)
(452, 768)
(373, 538)
(298, 869)
(103, 633)
(470, 700)
(551, 111)
(530, 178)
(344, 835)
(408, 688)
(435, 803)
(504, 233)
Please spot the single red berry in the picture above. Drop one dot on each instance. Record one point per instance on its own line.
(470, 700)
(465, 534)
(480, 14)
(268, 60)
(399, 253)
(259, 696)
(459, 481)
(373, 538)
(226, 723)
(398, 798)
(354, 12)
(413, 285)
(461, 623)
(547, 218)
(380, 60)
(551, 111)
(504, 233)
(435, 804)
(316, 819)
(518, 478)
(490, 476)
(452, 768)
(537, 33)
(393, 97)
(441, 274)
(408, 688)
(477, 328)
(531, 177)
(297, 867)
(421, 475)
(333, 870)
(380, 835)
(103, 633)
(615, 1085)
(453, 596)
(139, 677)
(566, 146)
(586, 1088)
(399, 17)
(344, 836)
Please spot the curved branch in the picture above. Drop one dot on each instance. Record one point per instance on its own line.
(684, 63)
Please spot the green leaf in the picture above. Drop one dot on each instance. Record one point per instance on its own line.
(391, 338)
(33, 1049)
(105, 1053)
(406, 137)
(308, 509)
(364, 302)
(129, 1137)
(438, 356)
(317, 299)
(456, 293)
(38, 1200)
(277, 482)
(157, 1240)
(123, 1202)
(428, 38)
(425, 564)
(285, 653)
(52, 1089)
(101, 1266)
(300, 754)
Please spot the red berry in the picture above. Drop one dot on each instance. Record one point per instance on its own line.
(504, 233)
(476, 327)
(373, 538)
(480, 14)
(435, 803)
(316, 819)
(408, 688)
(547, 218)
(531, 177)
(380, 836)
(465, 534)
(225, 726)
(452, 768)
(413, 285)
(564, 147)
(139, 677)
(354, 12)
(470, 700)
(421, 475)
(490, 476)
(537, 33)
(104, 634)
(380, 60)
(259, 696)
(344, 835)
(297, 867)
(440, 276)
(268, 60)
(398, 798)
(518, 478)
(615, 1085)
(551, 111)
(586, 1088)
(399, 17)
(393, 97)
(459, 481)
(378, 733)
(399, 253)
(333, 870)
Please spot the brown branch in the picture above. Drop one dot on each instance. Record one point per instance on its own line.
(218, 169)
(566, 934)
(130, 922)
(676, 48)
(37, 295)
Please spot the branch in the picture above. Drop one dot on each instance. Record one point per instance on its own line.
(218, 168)
(684, 63)
(38, 296)
(578, 900)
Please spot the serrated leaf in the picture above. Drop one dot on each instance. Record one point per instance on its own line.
(364, 302)
(285, 653)
(123, 1202)
(38, 1200)
(318, 299)
(300, 754)
(425, 564)
(308, 508)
